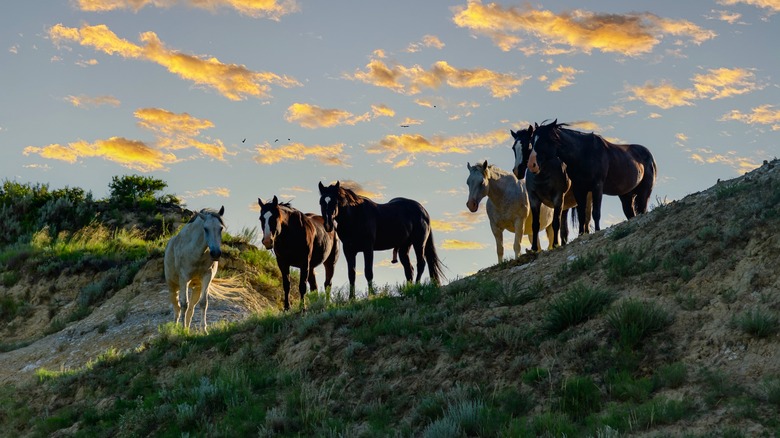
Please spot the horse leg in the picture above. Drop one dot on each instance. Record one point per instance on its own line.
(368, 265)
(403, 254)
(304, 277)
(312, 280)
(194, 296)
(174, 290)
(285, 271)
(564, 227)
(330, 267)
(519, 228)
(556, 224)
(643, 191)
(204, 298)
(350, 256)
(419, 253)
(627, 200)
(598, 193)
(498, 234)
(535, 225)
(395, 256)
(584, 221)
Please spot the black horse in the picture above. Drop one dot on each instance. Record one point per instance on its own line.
(365, 226)
(596, 166)
(299, 240)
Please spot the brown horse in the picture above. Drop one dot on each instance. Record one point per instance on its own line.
(299, 240)
(365, 226)
(598, 167)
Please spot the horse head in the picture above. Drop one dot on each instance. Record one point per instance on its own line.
(477, 183)
(544, 144)
(522, 150)
(270, 221)
(329, 204)
(212, 228)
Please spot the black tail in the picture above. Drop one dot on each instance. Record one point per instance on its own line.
(435, 266)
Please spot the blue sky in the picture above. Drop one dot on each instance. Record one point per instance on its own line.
(392, 97)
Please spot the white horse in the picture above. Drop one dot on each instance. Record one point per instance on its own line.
(191, 261)
(507, 205)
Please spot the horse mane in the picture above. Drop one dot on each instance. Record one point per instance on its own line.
(210, 212)
(491, 168)
(350, 198)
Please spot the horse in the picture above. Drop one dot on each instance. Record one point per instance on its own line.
(598, 167)
(550, 187)
(191, 261)
(366, 226)
(507, 205)
(299, 240)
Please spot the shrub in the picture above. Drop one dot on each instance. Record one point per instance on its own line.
(758, 323)
(577, 305)
(671, 376)
(634, 320)
(579, 396)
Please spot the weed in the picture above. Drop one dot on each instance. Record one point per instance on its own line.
(584, 263)
(771, 389)
(624, 387)
(122, 312)
(579, 396)
(577, 305)
(634, 320)
(672, 375)
(758, 323)
(535, 375)
(707, 233)
(718, 386)
(622, 231)
(553, 424)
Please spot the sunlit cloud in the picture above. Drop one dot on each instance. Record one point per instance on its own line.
(586, 126)
(235, 82)
(382, 110)
(428, 103)
(412, 80)
(727, 16)
(455, 244)
(565, 79)
(731, 159)
(87, 62)
(762, 115)
(14, 49)
(716, 84)
(427, 41)
(312, 116)
(407, 146)
(772, 5)
(222, 192)
(176, 131)
(83, 101)
(615, 110)
(253, 8)
(411, 122)
(132, 154)
(457, 222)
(331, 155)
(577, 30)
(43, 167)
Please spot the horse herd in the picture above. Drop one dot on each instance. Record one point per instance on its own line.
(567, 169)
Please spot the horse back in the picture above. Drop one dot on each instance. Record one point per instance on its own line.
(399, 222)
(323, 243)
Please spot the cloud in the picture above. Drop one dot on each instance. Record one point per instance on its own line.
(382, 110)
(772, 5)
(410, 122)
(14, 49)
(761, 115)
(83, 101)
(331, 155)
(179, 131)
(578, 30)
(740, 164)
(235, 82)
(410, 145)
(412, 80)
(133, 154)
(312, 116)
(253, 8)
(716, 84)
(727, 16)
(455, 244)
(566, 78)
(427, 41)
(457, 222)
(362, 191)
(86, 62)
(223, 192)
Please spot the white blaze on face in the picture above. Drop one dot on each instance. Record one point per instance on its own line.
(267, 228)
(327, 200)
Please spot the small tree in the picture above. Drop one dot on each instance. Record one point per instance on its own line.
(128, 191)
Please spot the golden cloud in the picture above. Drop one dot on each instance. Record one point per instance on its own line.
(331, 155)
(312, 116)
(223, 192)
(410, 145)
(762, 115)
(382, 110)
(716, 84)
(253, 8)
(566, 78)
(455, 244)
(458, 222)
(772, 5)
(573, 31)
(740, 164)
(82, 101)
(233, 81)
(179, 131)
(412, 80)
(427, 41)
(133, 154)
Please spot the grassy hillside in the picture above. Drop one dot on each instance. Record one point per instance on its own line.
(665, 325)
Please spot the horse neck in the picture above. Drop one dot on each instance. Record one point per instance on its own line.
(194, 235)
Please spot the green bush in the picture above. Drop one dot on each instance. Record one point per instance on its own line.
(579, 396)
(758, 323)
(634, 320)
(577, 305)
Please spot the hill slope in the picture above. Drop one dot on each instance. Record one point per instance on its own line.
(663, 325)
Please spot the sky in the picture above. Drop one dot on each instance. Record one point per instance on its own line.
(231, 100)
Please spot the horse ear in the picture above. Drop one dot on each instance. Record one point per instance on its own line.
(530, 128)
(555, 122)
(514, 134)
(338, 184)
(275, 201)
(468, 165)
(485, 164)
(222, 210)
(260, 202)
(322, 187)
(536, 125)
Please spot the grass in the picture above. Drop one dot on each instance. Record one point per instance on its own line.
(758, 323)
(577, 305)
(633, 321)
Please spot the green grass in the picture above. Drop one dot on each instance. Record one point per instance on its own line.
(758, 323)
(633, 321)
(575, 306)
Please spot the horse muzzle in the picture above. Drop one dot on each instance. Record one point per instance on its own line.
(215, 255)
(268, 243)
(472, 205)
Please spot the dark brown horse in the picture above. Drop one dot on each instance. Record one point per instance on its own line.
(299, 240)
(365, 226)
(596, 166)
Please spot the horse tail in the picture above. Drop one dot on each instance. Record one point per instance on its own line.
(435, 266)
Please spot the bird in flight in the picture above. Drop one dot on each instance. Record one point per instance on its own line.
(404, 126)
(243, 141)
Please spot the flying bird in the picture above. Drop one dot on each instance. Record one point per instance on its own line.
(404, 126)
(243, 141)
(276, 140)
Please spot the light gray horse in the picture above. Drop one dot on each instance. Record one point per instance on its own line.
(507, 205)
(191, 261)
